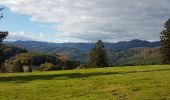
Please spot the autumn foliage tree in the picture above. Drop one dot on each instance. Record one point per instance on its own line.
(165, 44)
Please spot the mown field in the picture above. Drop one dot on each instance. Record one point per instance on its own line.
(118, 83)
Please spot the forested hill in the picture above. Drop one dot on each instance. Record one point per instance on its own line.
(84, 47)
(134, 52)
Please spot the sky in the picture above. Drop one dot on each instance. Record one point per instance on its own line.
(84, 20)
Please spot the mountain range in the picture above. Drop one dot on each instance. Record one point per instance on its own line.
(85, 47)
(119, 53)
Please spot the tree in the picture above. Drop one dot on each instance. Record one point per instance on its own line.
(68, 64)
(18, 67)
(3, 35)
(165, 44)
(97, 56)
(47, 66)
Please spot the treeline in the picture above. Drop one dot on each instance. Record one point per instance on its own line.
(26, 62)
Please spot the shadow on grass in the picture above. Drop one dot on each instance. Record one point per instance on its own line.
(28, 78)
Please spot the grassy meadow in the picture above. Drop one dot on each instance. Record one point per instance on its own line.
(116, 83)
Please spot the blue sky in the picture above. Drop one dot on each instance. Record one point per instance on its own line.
(84, 20)
(14, 22)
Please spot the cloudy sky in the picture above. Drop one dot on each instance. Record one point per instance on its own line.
(84, 20)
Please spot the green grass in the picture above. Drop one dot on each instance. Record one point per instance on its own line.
(119, 83)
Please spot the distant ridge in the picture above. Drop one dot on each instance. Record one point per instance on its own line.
(85, 47)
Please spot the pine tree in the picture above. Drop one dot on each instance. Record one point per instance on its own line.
(165, 44)
(97, 56)
(3, 35)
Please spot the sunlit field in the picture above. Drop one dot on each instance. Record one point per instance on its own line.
(116, 83)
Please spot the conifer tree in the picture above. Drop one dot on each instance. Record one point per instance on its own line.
(97, 56)
(165, 44)
(3, 35)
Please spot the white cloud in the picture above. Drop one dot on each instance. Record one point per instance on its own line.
(90, 20)
(23, 36)
(13, 36)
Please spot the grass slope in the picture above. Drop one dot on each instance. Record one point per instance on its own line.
(119, 83)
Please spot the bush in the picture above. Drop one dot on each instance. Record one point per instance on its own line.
(47, 66)
(18, 67)
(11, 67)
(27, 69)
(67, 64)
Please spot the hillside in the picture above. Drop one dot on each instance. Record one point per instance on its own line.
(11, 51)
(118, 83)
(135, 56)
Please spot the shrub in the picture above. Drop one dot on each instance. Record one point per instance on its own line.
(47, 66)
(17, 67)
(67, 64)
(27, 69)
